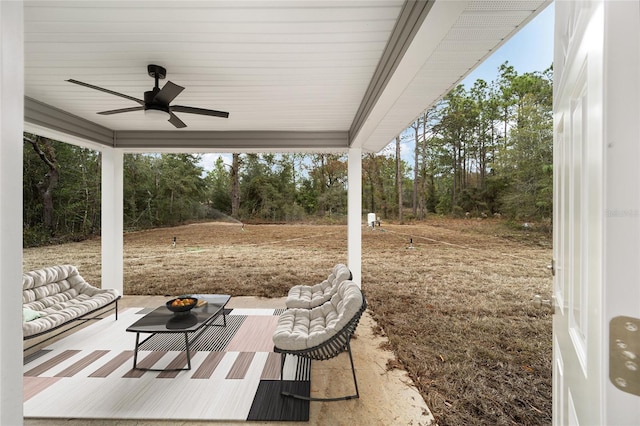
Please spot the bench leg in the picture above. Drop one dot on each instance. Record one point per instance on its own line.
(353, 371)
(308, 398)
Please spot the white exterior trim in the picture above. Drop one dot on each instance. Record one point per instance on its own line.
(112, 229)
(354, 214)
(11, 129)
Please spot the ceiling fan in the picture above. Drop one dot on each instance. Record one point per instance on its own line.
(156, 101)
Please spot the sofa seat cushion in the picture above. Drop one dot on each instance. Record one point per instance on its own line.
(59, 294)
(308, 297)
(300, 329)
(59, 312)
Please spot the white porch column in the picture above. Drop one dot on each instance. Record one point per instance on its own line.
(112, 219)
(11, 127)
(354, 212)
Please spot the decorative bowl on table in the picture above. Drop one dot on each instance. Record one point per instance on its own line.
(182, 304)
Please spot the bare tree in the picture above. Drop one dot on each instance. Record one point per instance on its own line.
(235, 185)
(423, 166)
(416, 162)
(42, 147)
(399, 178)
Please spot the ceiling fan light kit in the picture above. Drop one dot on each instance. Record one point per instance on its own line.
(156, 103)
(157, 114)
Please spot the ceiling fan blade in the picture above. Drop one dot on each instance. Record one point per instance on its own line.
(111, 92)
(201, 111)
(168, 93)
(118, 111)
(173, 119)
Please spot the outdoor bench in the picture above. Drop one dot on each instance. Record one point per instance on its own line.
(58, 298)
(310, 296)
(321, 333)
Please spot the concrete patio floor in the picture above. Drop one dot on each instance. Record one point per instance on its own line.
(387, 397)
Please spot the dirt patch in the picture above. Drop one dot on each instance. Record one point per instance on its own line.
(453, 297)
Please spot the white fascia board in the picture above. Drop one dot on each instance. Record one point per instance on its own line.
(434, 28)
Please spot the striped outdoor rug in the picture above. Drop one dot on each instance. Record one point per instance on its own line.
(234, 374)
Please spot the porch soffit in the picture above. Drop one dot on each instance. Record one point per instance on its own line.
(294, 75)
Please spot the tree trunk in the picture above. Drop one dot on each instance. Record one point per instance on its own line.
(235, 185)
(87, 199)
(380, 188)
(462, 155)
(132, 199)
(399, 178)
(96, 204)
(368, 170)
(416, 162)
(50, 181)
(506, 124)
(456, 172)
(322, 186)
(423, 166)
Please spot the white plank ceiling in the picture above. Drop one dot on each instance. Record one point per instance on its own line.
(275, 66)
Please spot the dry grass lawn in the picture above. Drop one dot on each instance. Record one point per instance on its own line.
(455, 306)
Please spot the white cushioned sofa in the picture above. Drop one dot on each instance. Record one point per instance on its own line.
(310, 296)
(322, 332)
(305, 328)
(55, 296)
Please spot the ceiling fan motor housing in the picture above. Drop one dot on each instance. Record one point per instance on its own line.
(151, 103)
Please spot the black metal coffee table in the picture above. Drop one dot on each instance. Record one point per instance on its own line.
(162, 320)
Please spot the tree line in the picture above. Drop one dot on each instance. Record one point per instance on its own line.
(480, 151)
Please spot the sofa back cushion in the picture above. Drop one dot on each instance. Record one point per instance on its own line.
(44, 276)
(342, 307)
(46, 286)
(342, 273)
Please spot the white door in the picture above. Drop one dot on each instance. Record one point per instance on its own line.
(596, 325)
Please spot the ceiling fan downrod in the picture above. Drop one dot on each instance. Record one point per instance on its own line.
(157, 72)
